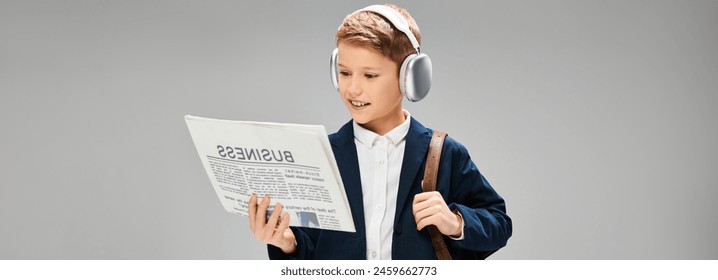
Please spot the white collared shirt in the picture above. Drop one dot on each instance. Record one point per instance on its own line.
(380, 159)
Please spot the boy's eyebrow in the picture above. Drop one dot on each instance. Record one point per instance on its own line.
(365, 67)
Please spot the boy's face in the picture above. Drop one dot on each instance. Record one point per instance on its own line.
(369, 87)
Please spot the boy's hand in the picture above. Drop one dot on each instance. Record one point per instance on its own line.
(430, 209)
(275, 231)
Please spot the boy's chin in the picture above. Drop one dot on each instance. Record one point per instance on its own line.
(358, 116)
(361, 118)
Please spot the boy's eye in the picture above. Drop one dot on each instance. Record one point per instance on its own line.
(344, 73)
(369, 76)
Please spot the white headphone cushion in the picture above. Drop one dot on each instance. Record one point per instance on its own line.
(402, 74)
(334, 69)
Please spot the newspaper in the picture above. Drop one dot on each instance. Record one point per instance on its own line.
(292, 163)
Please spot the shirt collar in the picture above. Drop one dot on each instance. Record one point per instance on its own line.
(366, 137)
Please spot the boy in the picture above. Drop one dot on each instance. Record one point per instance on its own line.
(381, 156)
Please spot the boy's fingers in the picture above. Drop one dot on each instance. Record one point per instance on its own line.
(430, 220)
(421, 214)
(284, 224)
(414, 204)
(261, 216)
(426, 195)
(419, 197)
(420, 204)
(426, 215)
(420, 224)
(284, 235)
(252, 204)
(272, 223)
(425, 200)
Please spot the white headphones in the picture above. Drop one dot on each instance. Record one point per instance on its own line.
(415, 71)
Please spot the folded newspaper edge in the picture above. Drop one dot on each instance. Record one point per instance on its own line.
(292, 163)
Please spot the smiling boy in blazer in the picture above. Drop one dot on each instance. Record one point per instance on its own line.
(381, 155)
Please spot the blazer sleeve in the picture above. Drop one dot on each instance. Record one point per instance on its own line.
(487, 227)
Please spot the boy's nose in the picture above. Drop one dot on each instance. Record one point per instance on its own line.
(353, 87)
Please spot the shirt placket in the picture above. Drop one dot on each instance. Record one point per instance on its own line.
(379, 195)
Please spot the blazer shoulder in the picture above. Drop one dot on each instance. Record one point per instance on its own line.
(453, 146)
(419, 131)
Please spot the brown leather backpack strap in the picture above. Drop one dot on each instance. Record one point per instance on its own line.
(433, 156)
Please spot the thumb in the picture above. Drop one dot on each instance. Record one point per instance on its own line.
(288, 234)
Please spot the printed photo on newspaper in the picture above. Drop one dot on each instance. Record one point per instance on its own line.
(292, 163)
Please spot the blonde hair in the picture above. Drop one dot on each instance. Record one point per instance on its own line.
(371, 30)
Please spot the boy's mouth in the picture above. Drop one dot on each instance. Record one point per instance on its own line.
(358, 103)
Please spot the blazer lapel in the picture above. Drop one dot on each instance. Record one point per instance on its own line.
(346, 154)
(417, 145)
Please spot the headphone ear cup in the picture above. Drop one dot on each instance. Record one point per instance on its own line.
(333, 69)
(415, 77)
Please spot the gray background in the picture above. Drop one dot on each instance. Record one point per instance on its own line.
(594, 119)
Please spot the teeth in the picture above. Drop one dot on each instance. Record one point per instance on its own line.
(359, 104)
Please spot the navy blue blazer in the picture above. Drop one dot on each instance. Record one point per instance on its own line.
(487, 227)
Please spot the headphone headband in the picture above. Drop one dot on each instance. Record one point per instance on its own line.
(397, 19)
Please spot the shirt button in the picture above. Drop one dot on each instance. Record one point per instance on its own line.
(378, 206)
(381, 162)
(373, 254)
